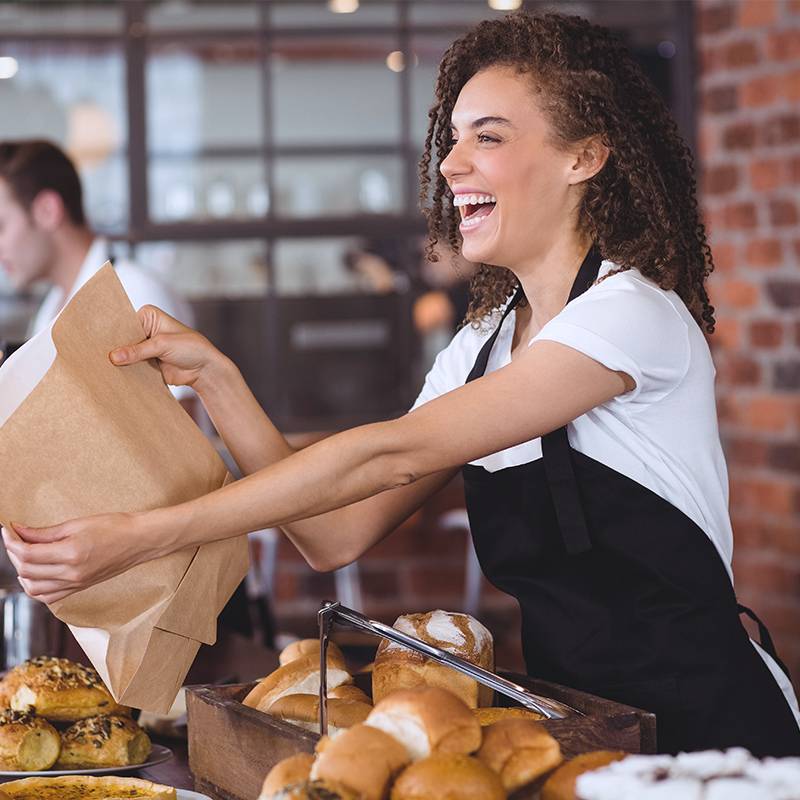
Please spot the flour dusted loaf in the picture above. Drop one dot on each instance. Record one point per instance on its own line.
(396, 667)
(27, 743)
(59, 690)
(81, 787)
(105, 741)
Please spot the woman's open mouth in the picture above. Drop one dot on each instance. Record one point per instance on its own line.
(474, 208)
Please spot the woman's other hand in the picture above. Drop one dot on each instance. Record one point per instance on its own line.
(55, 562)
(185, 357)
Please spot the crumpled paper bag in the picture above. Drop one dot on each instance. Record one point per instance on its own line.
(80, 436)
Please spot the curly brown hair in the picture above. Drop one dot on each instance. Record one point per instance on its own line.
(640, 209)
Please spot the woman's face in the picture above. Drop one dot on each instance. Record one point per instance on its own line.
(515, 191)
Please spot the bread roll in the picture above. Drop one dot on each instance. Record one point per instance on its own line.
(448, 776)
(396, 667)
(27, 743)
(361, 760)
(427, 719)
(300, 676)
(519, 751)
(59, 690)
(106, 741)
(82, 787)
(561, 784)
(303, 710)
(310, 647)
(287, 775)
(348, 691)
(488, 716)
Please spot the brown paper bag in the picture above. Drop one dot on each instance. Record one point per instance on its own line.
(89, 438)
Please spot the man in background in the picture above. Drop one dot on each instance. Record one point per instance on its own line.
(44, 234)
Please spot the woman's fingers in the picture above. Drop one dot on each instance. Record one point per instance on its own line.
(46, 591)
(40, 535)
(133, 353)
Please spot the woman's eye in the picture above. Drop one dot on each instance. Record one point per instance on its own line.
(485, 137)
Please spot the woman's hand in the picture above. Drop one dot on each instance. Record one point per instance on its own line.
(57, 561)
(185, 357)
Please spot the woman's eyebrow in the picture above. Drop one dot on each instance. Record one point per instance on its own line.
(490, 120)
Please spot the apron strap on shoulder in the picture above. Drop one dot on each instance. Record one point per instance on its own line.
(764, 638)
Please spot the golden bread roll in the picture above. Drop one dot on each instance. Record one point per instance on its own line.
(348, 691)
(303, 710)
(488, 716)
(286, 776)
(60, 690)
(396, 667)
(426, 720)
(448, 776)
(27, 743)
(310, 647)
(361, 761)
(107, 741)
(561, 784)
(300, 676)
(83, 787)
(519, 751)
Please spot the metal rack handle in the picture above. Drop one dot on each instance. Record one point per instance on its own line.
(331, 613)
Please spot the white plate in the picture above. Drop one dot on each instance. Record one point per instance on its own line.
(185, 794)
(158, 755)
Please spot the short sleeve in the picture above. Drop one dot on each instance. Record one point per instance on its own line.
(627, 325)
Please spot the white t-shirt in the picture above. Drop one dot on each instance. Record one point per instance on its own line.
(663, 434)
(141, 287)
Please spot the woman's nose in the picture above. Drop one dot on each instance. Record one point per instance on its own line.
(454, 163)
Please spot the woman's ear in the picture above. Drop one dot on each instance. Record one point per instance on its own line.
(590, 157)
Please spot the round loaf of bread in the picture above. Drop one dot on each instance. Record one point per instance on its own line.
(59, 690)
(396, 667)
(519, 751)
(448, 776)
(287, 775)
(361, 760)
(427, 719)
(309, 647)
(303, 710)
(106, 741)
(300, 676)
(488, 716)
(561, 784)
(27, 743)
(83, 787)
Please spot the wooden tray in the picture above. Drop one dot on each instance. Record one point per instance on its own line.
(233, 747)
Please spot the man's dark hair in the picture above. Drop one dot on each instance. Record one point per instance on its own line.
(30, 166)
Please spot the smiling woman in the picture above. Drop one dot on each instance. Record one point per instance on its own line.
(585, 423)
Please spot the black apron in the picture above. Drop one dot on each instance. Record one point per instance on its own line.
(622, 595)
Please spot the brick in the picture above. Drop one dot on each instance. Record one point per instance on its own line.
(764, 253)
(761, 91)
(790, 86)
(720, 99)
(740, 216)
(739, 294)
(761, 534)
(745, 452)
(781, 130)
(783, 212)
(743, 53)
(793, 170)
(725, 257)
(715, 19)
(769, 413)
(793, 7)
(740, 136)
(772, 576)
(784, 44)
(721, 179)
(784, 293)
(784, 456)
(766, 496)
(766, 334)
(727, 334)
(786, 374)
(757, 13)
(765, 175)
(739, 370)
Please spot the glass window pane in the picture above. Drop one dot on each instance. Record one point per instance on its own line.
(319, 14)
(314, 266)
(37, 18)
(74, 95)
(207, 94)
(327, 186)
(335, 90)
(428, 52)
(192, 189)
(171, 15)
(208, 269)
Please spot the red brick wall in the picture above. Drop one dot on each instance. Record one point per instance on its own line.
(749, 147)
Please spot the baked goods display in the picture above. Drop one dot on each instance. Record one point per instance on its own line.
(397, 667)
(27, 743)
(487, 716)
(309, 647)
(287, 776)
(561, 784)
(448, 776)
(82, 787)
(519, 751)
(105, 741)
(58, 690)
(303, 710)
